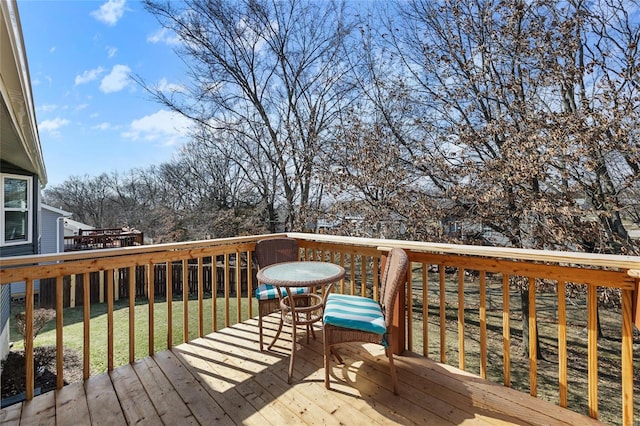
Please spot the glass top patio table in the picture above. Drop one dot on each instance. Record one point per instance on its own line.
(301, 309)
(301, 274)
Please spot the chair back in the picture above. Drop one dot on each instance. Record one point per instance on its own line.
(276, 250)
(394, 275)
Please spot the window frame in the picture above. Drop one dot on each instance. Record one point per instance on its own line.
(29, 209)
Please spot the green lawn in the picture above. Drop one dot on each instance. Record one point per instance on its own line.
(73, 334)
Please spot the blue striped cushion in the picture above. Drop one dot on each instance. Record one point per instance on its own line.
(355, 312)
(269, 292)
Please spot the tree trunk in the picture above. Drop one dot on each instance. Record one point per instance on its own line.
(524, 297)
(600, 335)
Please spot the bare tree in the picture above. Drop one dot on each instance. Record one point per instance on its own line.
(86, 197)
(199, 194)
(221, 201)
(518, 118)
(266, 75)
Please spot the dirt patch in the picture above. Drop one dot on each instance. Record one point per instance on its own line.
(13, 377)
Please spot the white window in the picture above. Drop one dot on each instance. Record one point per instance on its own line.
(16, 208)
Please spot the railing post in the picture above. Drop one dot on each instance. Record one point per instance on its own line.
(627, 355)
(635, 273)
(28, 340)
(627, 344)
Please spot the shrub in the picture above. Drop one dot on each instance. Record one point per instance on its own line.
(40, 318)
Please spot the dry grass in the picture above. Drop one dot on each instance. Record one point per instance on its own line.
(609, 345)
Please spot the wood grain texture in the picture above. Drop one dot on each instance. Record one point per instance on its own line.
(223, 378)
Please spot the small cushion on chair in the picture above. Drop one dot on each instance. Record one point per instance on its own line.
(354, 312)
(270, 292)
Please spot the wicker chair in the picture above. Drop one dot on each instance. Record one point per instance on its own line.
(361, 319)
(268, 252)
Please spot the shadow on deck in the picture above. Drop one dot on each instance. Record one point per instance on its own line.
(223, 378)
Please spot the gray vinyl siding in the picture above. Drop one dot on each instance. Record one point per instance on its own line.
(5, 314)
(52, 232)
(50, 240)
(5, 306)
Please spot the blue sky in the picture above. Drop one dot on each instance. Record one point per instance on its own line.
(92, 117)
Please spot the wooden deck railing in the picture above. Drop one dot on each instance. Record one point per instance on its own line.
(478, 274)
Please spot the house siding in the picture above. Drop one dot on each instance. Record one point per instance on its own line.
(51, 241)
(5, 313)
(51, 232)
(20, 148)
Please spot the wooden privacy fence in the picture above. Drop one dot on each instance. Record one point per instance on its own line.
(73, 285)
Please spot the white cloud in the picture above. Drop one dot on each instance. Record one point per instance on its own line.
(36, 81)
(165, 86)
(53, 126)
(52, 50)
(110, 12)
(164, 126)
(47, 107)
(163, 35)
(103, 126)
(249, 36)
(116, 80)
(88, 76)
(111, 51)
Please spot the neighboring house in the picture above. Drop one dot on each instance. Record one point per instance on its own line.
(53, 229)
(72, 227)
(391, 226)
(51, 241)
(22, 170)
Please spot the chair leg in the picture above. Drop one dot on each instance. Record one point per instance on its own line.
(392, 368)
(335, 353)
(327, 350)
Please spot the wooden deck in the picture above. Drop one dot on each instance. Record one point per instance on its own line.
(223, 378)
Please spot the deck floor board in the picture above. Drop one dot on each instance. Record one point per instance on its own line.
(223, 378)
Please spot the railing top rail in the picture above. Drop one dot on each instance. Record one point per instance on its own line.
(6, 262)
(561, 257)
(548, 256)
